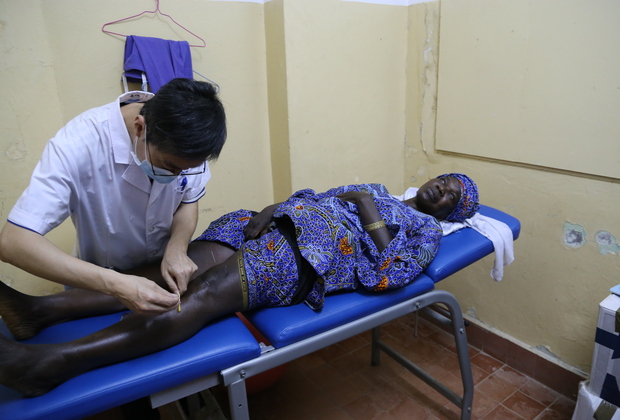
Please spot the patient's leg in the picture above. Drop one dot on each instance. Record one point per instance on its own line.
(36, 369)
(26, 315)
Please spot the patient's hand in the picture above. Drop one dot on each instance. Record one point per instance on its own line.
(356, 197)
(259, 224)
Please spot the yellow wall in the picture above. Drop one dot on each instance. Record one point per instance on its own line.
(56, 63)
(320, 93)
(548, 299)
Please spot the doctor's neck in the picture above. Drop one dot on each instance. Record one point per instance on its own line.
(129, 113)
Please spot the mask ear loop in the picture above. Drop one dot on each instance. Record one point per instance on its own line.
(144, 86)
(145, 83)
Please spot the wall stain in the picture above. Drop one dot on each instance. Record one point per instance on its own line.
(15, 152)
(607, 243)
(574, 235)
(210, 209)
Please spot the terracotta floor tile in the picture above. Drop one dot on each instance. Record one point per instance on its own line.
(399, 346)
(409, 384)
(454, 383)
(357, 341)
(502, 413)
(430, 399)
(399, 331)
(425, 328)
(410, 409)
(444, 339)
(338, 414)
(341, 392)
(385, 416)
(367, 379)
(511, 376)
(473, 351)
(388, 368)
(387, 396)
(487, 363)
(564, 406)
(496, 388)
(323, 375)
(478, 374)
(424, 347)
(432, 368)
(549, 414)
(319, 407)
(452, 412)
(314, 406)
(331, 353)
(339, 383)
(447, 360)
(539, 392)
(523, 405)
(353, 362)
(363, 408)
(308, 362)
(483, 405)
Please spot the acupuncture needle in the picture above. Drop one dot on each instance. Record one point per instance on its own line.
(179, 307)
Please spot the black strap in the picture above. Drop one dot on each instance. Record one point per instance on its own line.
(307, 274)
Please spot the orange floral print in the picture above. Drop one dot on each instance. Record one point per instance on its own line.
(382, 284)
(243, 219)
(385, 264)
(271, 245)
(345, 247)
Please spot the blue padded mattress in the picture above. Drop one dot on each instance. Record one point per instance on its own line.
(287, 325)
(466, 246)
(221, 344)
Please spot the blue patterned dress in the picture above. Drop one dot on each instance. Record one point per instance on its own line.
(332, 239)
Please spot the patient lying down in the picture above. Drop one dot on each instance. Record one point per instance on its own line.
(296, 251)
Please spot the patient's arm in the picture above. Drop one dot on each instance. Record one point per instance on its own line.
(368, 215)
(258, 224)
(36, 369)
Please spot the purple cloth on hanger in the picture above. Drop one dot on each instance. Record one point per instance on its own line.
(162, 60)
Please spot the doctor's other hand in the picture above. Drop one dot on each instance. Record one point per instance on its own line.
(143, 296)
(177, 269)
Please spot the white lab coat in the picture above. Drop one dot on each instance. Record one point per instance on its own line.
(87, 172)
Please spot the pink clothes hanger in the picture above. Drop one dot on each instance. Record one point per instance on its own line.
(204, 44)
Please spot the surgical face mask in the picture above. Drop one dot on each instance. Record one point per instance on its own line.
(163, 176)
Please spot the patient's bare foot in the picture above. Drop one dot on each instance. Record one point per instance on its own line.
(16, 310)
(27, 368)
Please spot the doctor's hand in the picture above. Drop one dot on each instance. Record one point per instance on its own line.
(177, 269)
(142, 295)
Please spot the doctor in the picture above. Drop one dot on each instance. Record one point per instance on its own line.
(130, 174)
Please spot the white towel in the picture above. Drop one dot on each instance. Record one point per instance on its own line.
(496, 231)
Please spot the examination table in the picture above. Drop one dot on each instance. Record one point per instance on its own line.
(226, 353)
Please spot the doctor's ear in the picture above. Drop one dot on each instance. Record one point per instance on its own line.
(139, 126)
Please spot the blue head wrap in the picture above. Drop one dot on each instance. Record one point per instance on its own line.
(470, 201)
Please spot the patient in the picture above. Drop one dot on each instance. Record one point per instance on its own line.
(296, 251)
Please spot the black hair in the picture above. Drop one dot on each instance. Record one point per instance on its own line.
(186, 119)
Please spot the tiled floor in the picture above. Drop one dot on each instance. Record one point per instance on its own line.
(338, 382)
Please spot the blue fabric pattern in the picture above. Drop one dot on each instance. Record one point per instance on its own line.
(332, 239)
